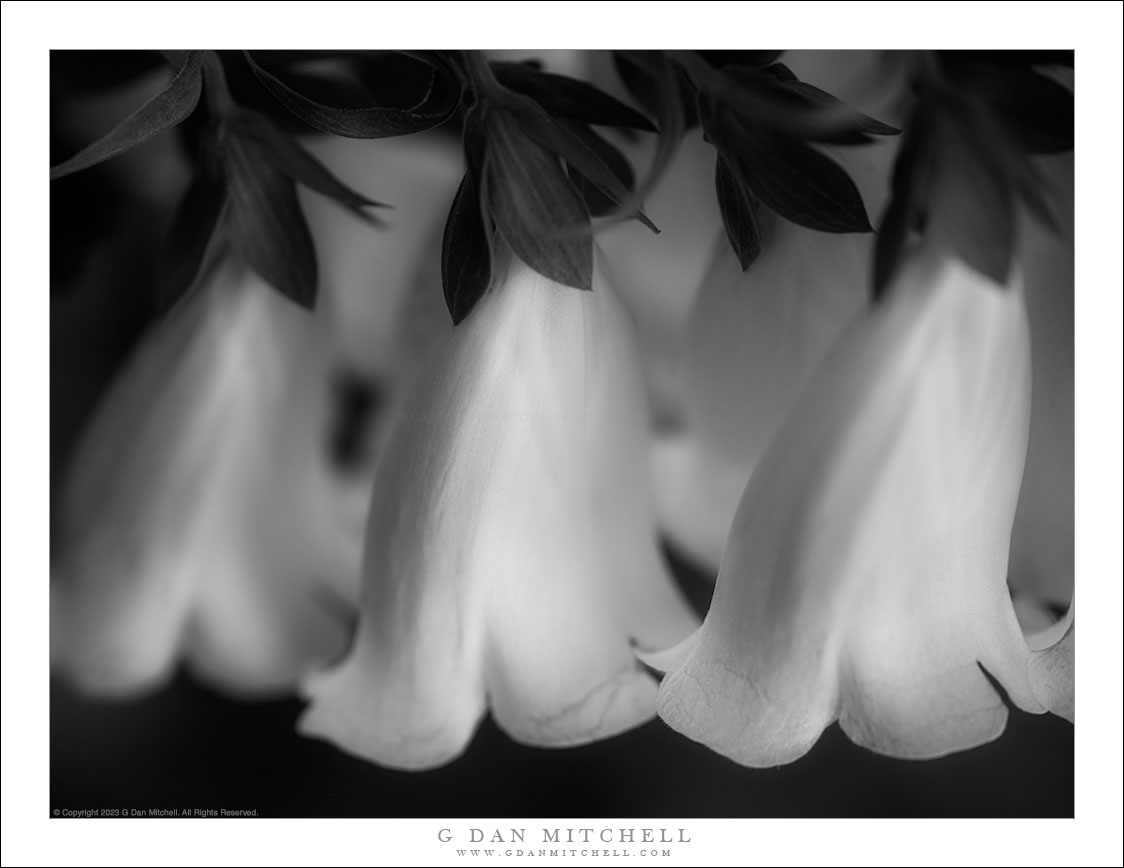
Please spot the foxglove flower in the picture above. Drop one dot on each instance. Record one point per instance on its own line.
(201, 517)
(865, 575)
(511, 560)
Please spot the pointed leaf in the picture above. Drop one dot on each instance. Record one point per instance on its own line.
(366, 123)
(295, 162)
(659, 86)
(577, 152)
(536, 208)
(597, 202)
(796, 108)
(570, 98)
(816, 97)
(789, 176)
(739, 214)
(466, 267)
(267, 226)
(162, 112)
(662, 88)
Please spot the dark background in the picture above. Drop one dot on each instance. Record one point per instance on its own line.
(189, 747)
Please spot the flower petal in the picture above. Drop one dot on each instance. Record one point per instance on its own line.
(1052, 669)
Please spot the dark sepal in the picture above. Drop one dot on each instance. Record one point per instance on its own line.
(536, 208)
(371, 122)
(160, 113)
(849, 116)
(466, 261)
(266, 225)
(598, 203)
(295, 162)
(562, 141)
(660, 87)
(788, 175)
(663, 89)
(796, 108)
(739, 214)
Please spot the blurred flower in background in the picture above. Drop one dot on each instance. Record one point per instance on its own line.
(199, 515)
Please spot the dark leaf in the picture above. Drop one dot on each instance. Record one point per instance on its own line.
(788, 175)
(267, 226)
(752, 59)
(796, 108)
(190, 238)
(162, 112)
(295, 162)
(597, 202)
(466, 266)
(821, 98)
(671, 99)
(577, 151)
(739, 214)
(537, 209)
(659, 86)
(569, 98)
(372, 122)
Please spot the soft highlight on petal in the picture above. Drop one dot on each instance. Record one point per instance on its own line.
(865, 575)
(511, 558)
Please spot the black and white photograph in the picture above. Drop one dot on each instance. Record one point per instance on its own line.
(454, 439)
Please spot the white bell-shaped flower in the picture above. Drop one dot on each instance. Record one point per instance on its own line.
(864, 579)
(511, 558)
(201, 517)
